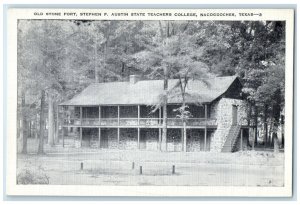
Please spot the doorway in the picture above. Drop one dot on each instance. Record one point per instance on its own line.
(234, 114)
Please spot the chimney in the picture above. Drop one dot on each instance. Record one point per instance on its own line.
(133, 79)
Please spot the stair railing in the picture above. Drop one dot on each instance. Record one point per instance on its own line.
(235, 136)
(235, 133)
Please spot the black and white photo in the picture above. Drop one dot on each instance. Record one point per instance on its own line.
(180, 101)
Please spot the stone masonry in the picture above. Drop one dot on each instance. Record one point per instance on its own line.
(222, 111)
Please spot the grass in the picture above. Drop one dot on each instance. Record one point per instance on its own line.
(114, 167)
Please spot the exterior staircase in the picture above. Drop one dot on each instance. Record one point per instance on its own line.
(231, 139)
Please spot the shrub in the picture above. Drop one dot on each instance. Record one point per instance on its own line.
(27, 176)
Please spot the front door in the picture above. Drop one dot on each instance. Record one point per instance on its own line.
(234, 114)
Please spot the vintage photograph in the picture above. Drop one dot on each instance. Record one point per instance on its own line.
(151, 103)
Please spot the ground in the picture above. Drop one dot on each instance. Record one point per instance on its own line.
(115, 167)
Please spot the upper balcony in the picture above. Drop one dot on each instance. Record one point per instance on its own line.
(134, 116)
(142, 122)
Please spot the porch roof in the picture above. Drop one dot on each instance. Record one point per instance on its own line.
(148, 92)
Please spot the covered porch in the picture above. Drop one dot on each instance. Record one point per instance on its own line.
(141, 139)
(134, 115)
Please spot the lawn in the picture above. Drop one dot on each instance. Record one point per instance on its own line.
(62, 166)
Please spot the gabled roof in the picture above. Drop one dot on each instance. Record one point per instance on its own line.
(147, 92)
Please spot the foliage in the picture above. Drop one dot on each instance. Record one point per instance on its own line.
(28, 176)
(63, 57)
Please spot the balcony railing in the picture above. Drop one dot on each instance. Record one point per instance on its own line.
(146, 122)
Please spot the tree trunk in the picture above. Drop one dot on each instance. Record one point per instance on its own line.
(30, 127)
(184, 136)
(36, 122)
(50, 121)
(164, 131)
(24, 125)
(282, 131)
(184, 123)
(41, 139)
(253, 135)
(276, 144)
(265, 126)
(270, 135)
(255, 124)
(56, 137)
(96, 60)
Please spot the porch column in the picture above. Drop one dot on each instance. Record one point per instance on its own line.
(139, 112)
(80, 116)
(99, 136)
(118, 115)
(242, 139)
(182, 140)
(99, 115)
(159, 115)
(164, 137)
(205, 129)
(183, 131)
(159, 128)
(118, 124)
(80, 126)
(63, 136)
(80, 136)
(139, 133)
(99, 129)
(57, 126)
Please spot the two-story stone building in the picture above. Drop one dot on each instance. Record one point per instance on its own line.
(118, 115)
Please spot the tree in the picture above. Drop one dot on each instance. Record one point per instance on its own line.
(174, 54)
(42, 121)
(261, 47)
(24, 124)
(40, 65)
(186, 67)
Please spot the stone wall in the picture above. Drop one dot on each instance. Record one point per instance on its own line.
(109, 138)
(128, 139)
(149, 139)
(195, 140)
(174, 143)
(222, 111)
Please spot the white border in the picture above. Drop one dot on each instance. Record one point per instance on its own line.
(80, 190)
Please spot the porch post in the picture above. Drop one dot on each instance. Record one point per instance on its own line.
(205, 129)
(80, 115)
(99, 136)
(118, 124)
(184, 136)
(80, 126)
(99, 129)
(57, 126)
(159, 128)
(80, 136)
(138, 123)
(99, 115)
(241, 139)
(63, 136)
(159, 115)
(118, 115)
(139, 131)
(182, 139)
(139, 111)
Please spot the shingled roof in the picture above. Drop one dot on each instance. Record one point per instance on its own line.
(147, 92)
